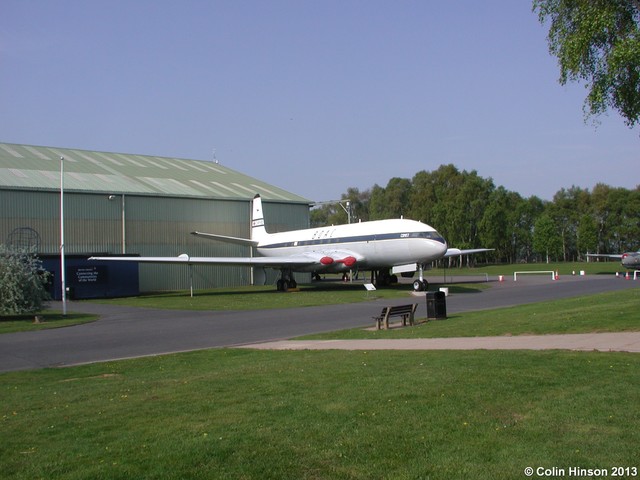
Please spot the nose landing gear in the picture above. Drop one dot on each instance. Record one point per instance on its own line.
(420, 285)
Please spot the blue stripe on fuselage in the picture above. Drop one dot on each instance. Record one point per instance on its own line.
(358, 239)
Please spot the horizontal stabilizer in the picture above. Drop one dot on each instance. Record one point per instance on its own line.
(226, 239)
(452, 252)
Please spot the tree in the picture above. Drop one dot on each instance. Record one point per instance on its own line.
(358, 203)
(471, 200)
(397, 194)
(319, 217)
(377, 203)
(451, 200)
(526, 214)
(471, 212)
(335, 213)
(615, 212)
(597, 41)
(499, 222)
(587, 235)
(565, 211)
(546, 240)
(391, 201)
(22, 282)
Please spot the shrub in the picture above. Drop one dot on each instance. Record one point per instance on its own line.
(22, 282)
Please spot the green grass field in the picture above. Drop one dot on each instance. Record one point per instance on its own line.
(325, 293)
(254, 298)
(605, 312)
(563, 268)
(320, 293)
(47, 319)
(248, 414)
(309, 415)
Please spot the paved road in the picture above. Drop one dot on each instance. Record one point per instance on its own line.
(125, 332)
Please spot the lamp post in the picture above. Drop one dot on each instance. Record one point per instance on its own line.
(124, 234)
(347, 208)
(62, 272)
(122, 218)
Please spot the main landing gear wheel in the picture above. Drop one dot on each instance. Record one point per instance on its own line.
(283, 285)
(382, 278)
(286, 280)
(420, 285)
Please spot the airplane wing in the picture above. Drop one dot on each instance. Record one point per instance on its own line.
(223, 238)
(325, 259)
(185, 259)
(452, 252)
(606, 255)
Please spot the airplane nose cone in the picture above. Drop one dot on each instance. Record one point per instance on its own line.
(443, 248)
(435, 246)
(631, 260)
(440, 241)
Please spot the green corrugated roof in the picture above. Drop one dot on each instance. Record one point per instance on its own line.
(31, 167)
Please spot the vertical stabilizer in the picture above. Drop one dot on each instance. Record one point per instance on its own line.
(258, 231)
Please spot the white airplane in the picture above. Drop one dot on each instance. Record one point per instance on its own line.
(630, 260)
(398, 245)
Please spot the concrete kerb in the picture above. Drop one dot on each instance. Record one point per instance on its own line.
(603, 342)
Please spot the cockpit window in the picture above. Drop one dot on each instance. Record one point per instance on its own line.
(428, 235)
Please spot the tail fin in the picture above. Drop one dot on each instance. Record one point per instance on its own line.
(258, 231)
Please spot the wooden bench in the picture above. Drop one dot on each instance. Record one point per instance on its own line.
(404, 311)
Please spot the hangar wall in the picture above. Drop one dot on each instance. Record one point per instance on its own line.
(136, 204)
(139, 204)
(154, 226)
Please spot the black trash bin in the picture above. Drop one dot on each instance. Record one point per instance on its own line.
(436, 306)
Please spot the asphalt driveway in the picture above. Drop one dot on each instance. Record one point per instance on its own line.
(126, 332)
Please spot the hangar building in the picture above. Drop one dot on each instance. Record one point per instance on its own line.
(124, 204)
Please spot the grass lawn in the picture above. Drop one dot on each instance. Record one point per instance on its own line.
(605, 312)
(563, 268)
(250, 414)
(493, 271)
(327, 292)
(48, 319)
(324, 414)
(254, 298)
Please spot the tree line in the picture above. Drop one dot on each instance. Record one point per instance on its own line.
(471, 212)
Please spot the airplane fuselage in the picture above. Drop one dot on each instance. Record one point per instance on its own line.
(385, 247)
(631, 260)
(366, 245)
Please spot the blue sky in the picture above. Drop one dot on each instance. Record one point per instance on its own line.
(311, 96)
